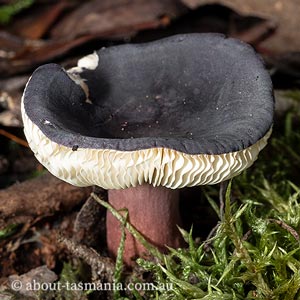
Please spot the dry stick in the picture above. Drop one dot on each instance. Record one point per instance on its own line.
(100, 265)
(152, 250)
(14, 138)
(42, 196)
(285, 226)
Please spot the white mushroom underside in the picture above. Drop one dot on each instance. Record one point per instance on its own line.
(113, 169)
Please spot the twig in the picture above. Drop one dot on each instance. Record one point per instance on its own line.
(14, 138)
(287, 227)
(101, 266)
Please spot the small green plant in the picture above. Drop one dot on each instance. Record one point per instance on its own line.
(8, 231)
(7, 12)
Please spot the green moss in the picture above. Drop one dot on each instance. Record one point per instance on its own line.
(254, 255)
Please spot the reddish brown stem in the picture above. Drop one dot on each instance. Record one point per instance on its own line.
(154, 211)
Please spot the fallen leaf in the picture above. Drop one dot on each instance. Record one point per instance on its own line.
(96, 17)
(283, 12)
(36, 24)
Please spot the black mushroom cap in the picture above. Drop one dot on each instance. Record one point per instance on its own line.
(194, 94)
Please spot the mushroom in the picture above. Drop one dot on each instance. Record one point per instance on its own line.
(144, 120)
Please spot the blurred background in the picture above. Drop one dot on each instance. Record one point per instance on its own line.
(34, 32)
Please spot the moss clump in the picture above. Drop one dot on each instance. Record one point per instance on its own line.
(254, 254)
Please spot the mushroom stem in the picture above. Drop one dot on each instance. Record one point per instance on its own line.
(154, 211)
